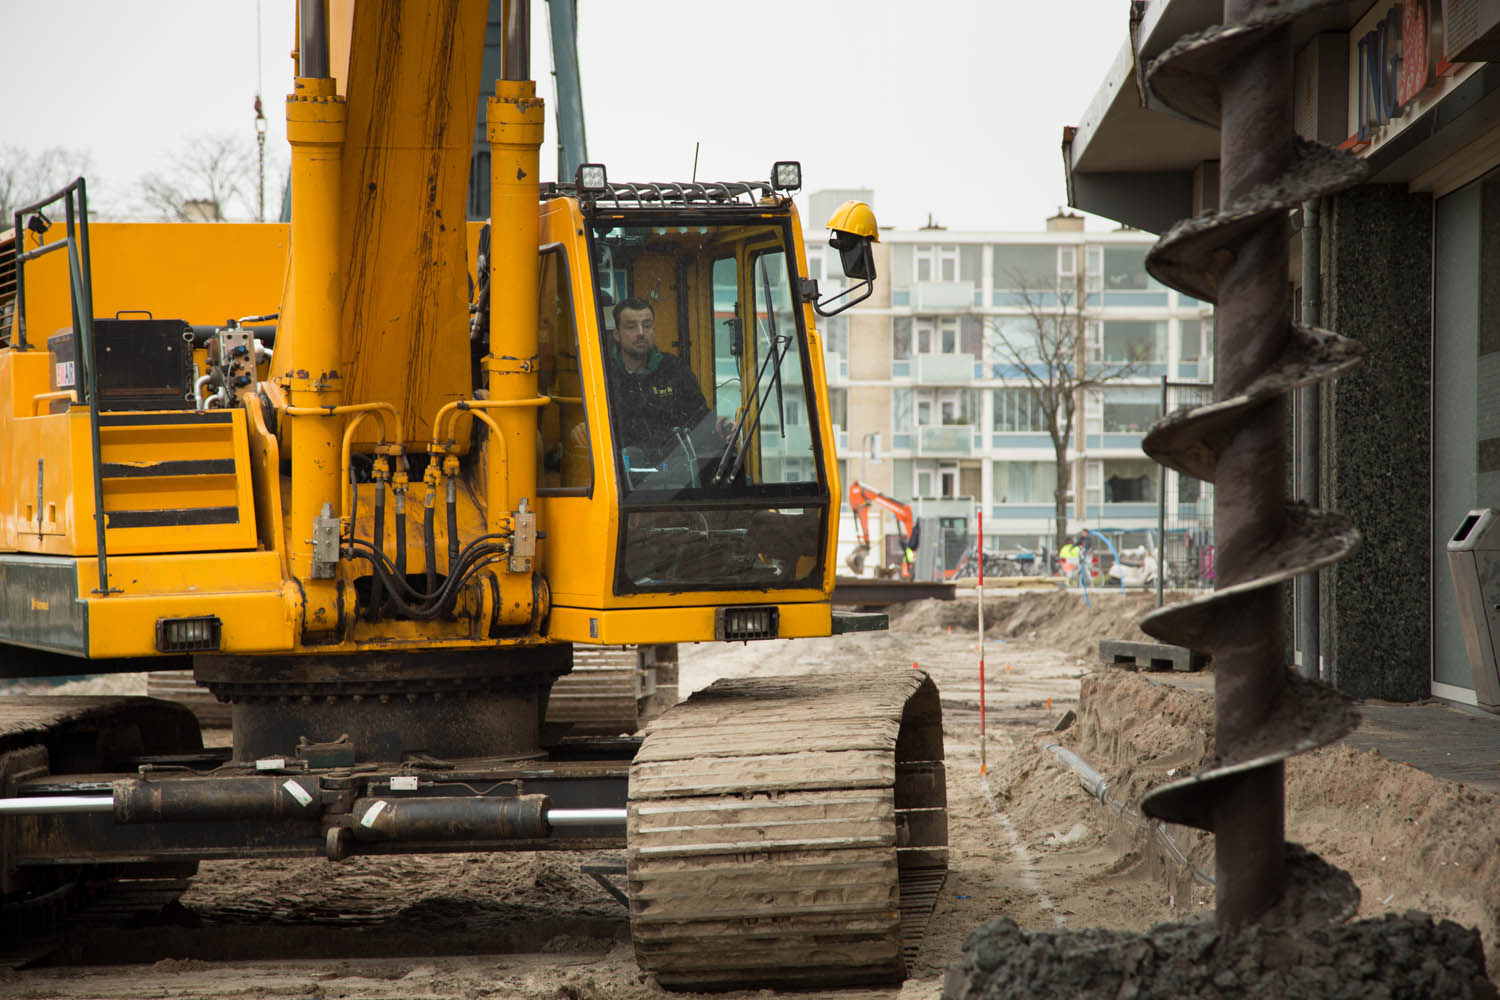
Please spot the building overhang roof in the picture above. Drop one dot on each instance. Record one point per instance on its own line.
(1133, 160)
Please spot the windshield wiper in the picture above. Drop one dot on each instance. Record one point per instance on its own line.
(776, 345)
(765, 278)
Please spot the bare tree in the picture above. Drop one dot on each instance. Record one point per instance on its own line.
(1048, 351)
(211, 178)
(26, 176)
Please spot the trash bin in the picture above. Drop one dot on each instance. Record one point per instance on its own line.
(1474, 561)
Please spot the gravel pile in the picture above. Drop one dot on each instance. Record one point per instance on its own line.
(1388, 958)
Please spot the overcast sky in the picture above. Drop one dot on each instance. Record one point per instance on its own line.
(948, 107)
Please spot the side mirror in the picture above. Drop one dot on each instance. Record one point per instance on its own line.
(856, 254)
(854, 234)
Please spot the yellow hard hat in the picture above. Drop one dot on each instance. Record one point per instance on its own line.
(856, 218)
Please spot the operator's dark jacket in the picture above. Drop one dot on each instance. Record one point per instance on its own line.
(649, 403)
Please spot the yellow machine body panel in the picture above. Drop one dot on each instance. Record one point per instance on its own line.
(244, 590)
(199, 272)
(167, 487)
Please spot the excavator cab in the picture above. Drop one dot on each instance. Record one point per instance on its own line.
(715, 448)
(687, 402)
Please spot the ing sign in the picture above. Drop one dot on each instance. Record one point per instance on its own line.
(1397, 59)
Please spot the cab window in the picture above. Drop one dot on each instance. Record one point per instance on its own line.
(711, 411)
(563, 462)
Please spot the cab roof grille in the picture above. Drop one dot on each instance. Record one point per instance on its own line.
(667, 194)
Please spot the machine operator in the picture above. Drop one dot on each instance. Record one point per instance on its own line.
(654, 394)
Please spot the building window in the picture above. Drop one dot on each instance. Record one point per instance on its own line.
(836, 335)
(1025, 482)
(815, 263)
(1133, 341)
(1190, 339)
(1013, 338)
(838, 406)
(1024, 268)
(901, 411)
(1130, 480)
(946, 407)
(1130, 409)
(970, 262)
(1094, 275)
(1017, 411)
(1067, 264)
(936, 335)
(935, 263)
(1093, 486)
(1125, 269)
(936, 479)
(901, 338)
(798, 470)
(901, 267)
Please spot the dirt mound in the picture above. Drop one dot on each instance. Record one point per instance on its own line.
(1061, 619)
(1393, 957)
(1410, 840)
(1139, 733)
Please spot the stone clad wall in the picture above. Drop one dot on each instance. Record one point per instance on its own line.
(1377, 441)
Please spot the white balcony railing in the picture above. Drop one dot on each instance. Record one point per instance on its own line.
(942, 296)
(951, 439)
(944, 369)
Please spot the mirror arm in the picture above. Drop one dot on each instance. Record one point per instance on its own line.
(823, 308)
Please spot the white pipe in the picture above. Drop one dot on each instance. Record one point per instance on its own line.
(1098, 786)
(199, 402)
(53, 805)
(586, 817)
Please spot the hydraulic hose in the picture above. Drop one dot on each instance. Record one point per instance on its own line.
(429, 605)
(376, 600)
(401, 534)
(429, 543)
(452, 525)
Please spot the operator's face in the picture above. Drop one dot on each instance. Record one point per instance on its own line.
(635, 333)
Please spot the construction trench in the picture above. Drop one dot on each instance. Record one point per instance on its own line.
(1061, 884)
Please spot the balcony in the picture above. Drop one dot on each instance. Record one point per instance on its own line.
(948, 440)
(942, 296)
(944, 369)
(958, 507)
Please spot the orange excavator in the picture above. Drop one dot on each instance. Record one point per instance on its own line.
(860, 498)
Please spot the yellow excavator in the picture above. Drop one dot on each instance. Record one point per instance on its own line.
(370, 474)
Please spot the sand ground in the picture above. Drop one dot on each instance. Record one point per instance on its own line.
(1027, 841)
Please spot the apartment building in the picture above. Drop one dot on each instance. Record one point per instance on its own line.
(932, 406)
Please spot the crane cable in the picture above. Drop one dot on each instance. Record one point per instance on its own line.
(260, 124)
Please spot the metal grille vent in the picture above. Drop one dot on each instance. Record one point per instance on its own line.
(188, 635)
(743, 624)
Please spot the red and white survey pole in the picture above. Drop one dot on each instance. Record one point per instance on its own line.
(984, 767)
